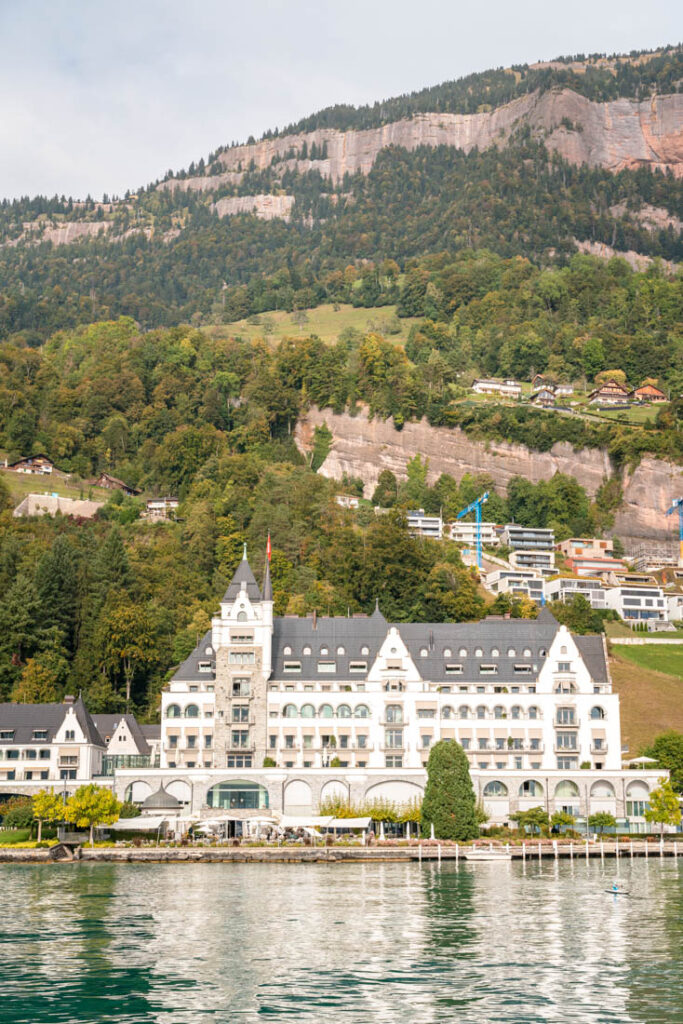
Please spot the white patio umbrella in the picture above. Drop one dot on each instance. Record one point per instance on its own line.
(381, 830)
(432, 835)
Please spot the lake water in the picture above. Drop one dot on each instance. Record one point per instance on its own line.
(188, 944)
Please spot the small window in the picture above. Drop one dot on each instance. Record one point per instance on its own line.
(307, 650)
(358, 666)
(488, 670)
(495, 653)
(447, 652)
(365, 650)
(454, 669)
(511, 652)
(424, 652)
(522, 669)
(324, 650)
(463, 652)
(341, 650)
(527, 652)
(478, 653)
(291, 666)
(39, 734)
(287, 650)
(327, 666)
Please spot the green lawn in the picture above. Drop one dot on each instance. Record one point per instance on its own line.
(21, 484)
(324, 321)
(667, 658)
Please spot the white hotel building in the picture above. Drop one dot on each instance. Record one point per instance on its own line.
(280, 713)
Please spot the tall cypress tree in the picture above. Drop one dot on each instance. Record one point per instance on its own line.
(449, 802)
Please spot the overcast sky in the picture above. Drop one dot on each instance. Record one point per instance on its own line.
(104, 95)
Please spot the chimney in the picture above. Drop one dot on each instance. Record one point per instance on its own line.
(68, 699)
(315, 619)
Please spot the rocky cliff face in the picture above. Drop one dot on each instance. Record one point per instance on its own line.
(265, 207)
(615, 135)
(364, 447)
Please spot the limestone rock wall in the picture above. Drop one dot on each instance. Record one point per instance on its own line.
(266, 207)
(363, 447)
(614, 135)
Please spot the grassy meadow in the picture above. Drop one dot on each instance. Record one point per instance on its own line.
(327, 322)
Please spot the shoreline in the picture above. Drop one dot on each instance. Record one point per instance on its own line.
(331, 855)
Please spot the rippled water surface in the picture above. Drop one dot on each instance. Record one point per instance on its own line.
(384, 943)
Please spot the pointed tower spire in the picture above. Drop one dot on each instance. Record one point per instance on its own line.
(244, 552)
(267, 585)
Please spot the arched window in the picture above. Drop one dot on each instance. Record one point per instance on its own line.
(173, 711)
(343, 711)
(191, 711)
(565, 688)
(495, 653)
(478, 653)
(542, 653)
(341, 650)
(289, 711)
(324, 650)
(637, 791)
(495, 788)
(238, 794)
(463, 652)
(597, 712)
(511, 652)
(326, 711)
(481, 711)
(463, 711)
(307, 711)
(365, 650)
(361, 711)
(563, 650)
(531, 788)
(394, 713)
(241, 616)
(516, 711)
(604, 790)
(566, 790)
(307, 650)
(447, 652)
(287, 650)
(447, 712)
(499, 712)
(533, 711)
(424, 652)
(527, 652)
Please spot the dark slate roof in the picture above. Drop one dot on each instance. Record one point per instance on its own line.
(188, 671)
(85, 720)
(162, 800)
(106, 727)
(151, 732)
(350, 633)
(22, 719)
(487, 635)
(592, 650)
(242, 575)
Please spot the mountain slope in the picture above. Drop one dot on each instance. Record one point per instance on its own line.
(534, 162)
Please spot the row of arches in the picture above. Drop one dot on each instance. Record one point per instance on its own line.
(602, 789)
(325, 711)
(189, 711)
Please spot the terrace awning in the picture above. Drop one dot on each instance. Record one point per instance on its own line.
(145, 823)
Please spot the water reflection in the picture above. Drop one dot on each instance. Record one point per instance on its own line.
(187, 944)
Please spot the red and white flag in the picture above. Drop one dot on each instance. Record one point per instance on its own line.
(268, 548)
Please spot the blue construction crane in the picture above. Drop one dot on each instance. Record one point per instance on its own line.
(475, 506)
(677, 506)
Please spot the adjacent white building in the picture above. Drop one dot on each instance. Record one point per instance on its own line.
(466, 533)
(422, 525)
(564, 588)
(528, 538)
(517, 583)
(637, 602)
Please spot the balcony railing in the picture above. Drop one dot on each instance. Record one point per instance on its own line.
(602, 749)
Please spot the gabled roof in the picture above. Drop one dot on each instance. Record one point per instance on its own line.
(23, 719)
(107, 724)
(242, 575)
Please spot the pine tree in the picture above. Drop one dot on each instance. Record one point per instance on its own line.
(449, 802)
(57, 583)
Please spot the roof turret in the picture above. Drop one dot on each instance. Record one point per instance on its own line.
(162, 800)
(243, 580)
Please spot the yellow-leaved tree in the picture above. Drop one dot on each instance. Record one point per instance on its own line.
(92, 805)
(47, 807)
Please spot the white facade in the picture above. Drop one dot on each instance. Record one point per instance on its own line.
(466, 533)
(544, 561)
(517, 583)
(528, 538)
(564, 588)
(422, 525)
(637, 602)
(491, 386)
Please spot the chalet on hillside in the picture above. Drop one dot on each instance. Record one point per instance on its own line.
(492, 386)
(648, 393)
(545, 397)
(161, 508)
(538, 382)
(112, 483)
(562, 390)
(610, 393)
(39, 465)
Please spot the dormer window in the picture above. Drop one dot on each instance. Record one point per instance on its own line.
(463, 652)
(447, 652)
(307, 650)
(365, 650)
(424, 652)
(203, 666)
(495, 653)
(324, 650)
(39, 734)
(209, 651)
(453, 669)
(511, 652)
(527, 652)
(358, 666)
(341, 650)
(489, 670)
(478, 653)
(287, 650)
